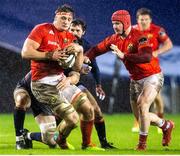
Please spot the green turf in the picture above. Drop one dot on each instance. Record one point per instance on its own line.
(118, 131)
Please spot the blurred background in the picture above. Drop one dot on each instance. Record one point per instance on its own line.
(18, 17)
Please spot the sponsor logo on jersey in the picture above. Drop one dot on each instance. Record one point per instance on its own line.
(143, 40)
(52, 43)
(150, 36)
(66, 40)
(51, 32)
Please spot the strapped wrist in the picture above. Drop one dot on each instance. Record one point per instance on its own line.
(49, 55)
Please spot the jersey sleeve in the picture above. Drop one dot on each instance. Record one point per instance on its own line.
(95, 72)
(162, 36)
(37, 34)
(144, 53)
(99, 49)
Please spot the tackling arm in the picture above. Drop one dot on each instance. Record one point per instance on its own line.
(79, 58)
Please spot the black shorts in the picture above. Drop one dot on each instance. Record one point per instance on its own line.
(36, 106)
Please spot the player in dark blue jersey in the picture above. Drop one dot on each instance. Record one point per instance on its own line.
(43, 115)
(78, 28)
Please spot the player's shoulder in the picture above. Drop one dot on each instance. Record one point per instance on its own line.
(85, 41)
(69, 35)
(43, 26)
(113, 37)
(136, 33)
(156, 27)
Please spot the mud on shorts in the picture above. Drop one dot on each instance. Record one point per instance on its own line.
(36, 106)
(136, 86)
(58, 101)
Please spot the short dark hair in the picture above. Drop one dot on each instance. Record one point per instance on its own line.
(143, 11)
(64, 8)
(76, 22)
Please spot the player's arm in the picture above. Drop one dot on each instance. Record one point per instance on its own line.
(165, 42)
(143, 55)
(95, 72)
(165, 47)
(29, 51)
(79, 58)
(31, 46)
(99, 49)
(73, 78)
(96, 75)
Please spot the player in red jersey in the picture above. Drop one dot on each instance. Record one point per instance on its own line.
(78, 29)
(160, 43)
(45, 44)
(135, 51)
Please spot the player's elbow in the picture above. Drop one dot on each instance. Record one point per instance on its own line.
(24, 54)
(170, 45)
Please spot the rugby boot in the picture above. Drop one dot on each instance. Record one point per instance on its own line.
(20, 144)
(28, 142)
(92, 147)
(107, 145)
(141, 147)
(62, 143)
(167, 131)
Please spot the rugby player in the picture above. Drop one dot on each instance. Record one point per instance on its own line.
(134, 49)
(160, 43)
(78, 29)
(44, 47)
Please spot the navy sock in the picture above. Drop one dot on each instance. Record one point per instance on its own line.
(101, 131)
(36, 136)
(19, 117)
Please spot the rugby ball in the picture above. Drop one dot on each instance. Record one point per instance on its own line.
(67, 63)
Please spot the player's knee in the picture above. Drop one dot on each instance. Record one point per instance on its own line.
(22, 100)
(98, 117)
(84, 106)
(97, 111)
(89, 113)
(80, 100)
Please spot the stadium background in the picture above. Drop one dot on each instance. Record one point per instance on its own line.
(17, 18)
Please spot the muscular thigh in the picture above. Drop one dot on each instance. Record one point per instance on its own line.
(55, 99)
(151, 87)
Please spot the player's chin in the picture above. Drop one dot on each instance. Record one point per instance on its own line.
(65, 27)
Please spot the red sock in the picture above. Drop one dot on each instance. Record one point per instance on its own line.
(142, 139)
(61, 138)
(161, 115)
(86, 130)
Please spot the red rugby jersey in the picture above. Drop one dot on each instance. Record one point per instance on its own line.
(134, 43)
(155, 34)
(49, 39)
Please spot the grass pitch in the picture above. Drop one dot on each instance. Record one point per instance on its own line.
(118, 131)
